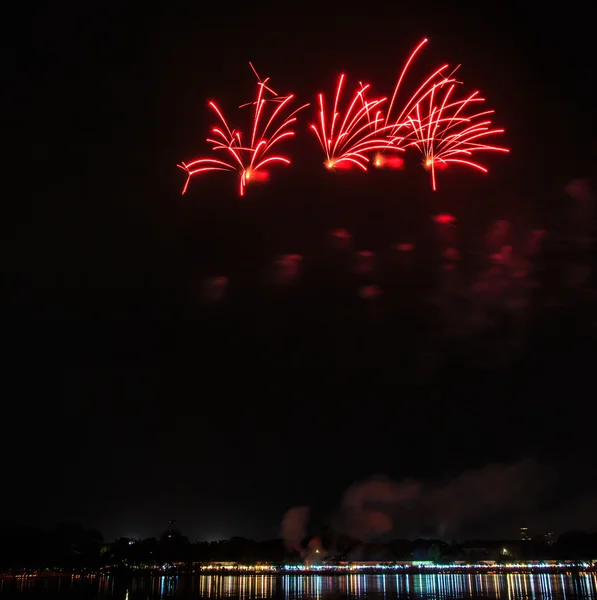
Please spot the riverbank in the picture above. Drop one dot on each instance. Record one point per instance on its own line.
(526, 569)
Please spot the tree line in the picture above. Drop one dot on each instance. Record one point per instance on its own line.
(73, 547)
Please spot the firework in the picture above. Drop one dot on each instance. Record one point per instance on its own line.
(398, 122)
(395, 125)
(436, 125)
(347, 138)
(444, 133)
(381, 161)
(271, 124)
(358, 132)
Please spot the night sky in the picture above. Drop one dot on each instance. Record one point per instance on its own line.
(128, 403)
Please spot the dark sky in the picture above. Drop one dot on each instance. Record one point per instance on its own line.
(129, 403)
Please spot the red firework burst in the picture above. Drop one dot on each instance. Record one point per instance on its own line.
(249, 159)
(347, 138)
(444, 133)
(398, 122)
(396, 126)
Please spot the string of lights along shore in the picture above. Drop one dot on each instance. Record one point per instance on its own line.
(445, 126)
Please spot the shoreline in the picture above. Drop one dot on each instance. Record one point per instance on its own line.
(426, 570)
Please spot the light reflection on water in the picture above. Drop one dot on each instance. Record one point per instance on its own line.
(315, 587)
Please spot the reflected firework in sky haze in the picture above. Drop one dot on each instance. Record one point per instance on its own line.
(478, 295)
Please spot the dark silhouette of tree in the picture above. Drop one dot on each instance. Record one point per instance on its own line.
(173, 547)
(435, 552)
(576, 545)
(72, 547)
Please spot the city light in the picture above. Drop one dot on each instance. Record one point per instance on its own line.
(401, 566)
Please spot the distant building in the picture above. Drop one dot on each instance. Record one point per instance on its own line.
(548, 538)
(525, 536)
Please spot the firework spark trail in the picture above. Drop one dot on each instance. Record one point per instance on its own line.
(442, 131)
(398, 126)
(437, 77)
(248, 160)
(347, 139)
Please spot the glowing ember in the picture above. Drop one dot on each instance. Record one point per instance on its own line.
(404, 247)
(370, 292)
(444, 219)
(388, 162)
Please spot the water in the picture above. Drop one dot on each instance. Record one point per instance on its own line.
(312, 587)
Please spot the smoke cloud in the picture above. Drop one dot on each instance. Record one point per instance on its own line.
(294, 527)
(492, 500)
(379, 506)
(315, 551)
(367, 506)
(484, 493)
(580, 190)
